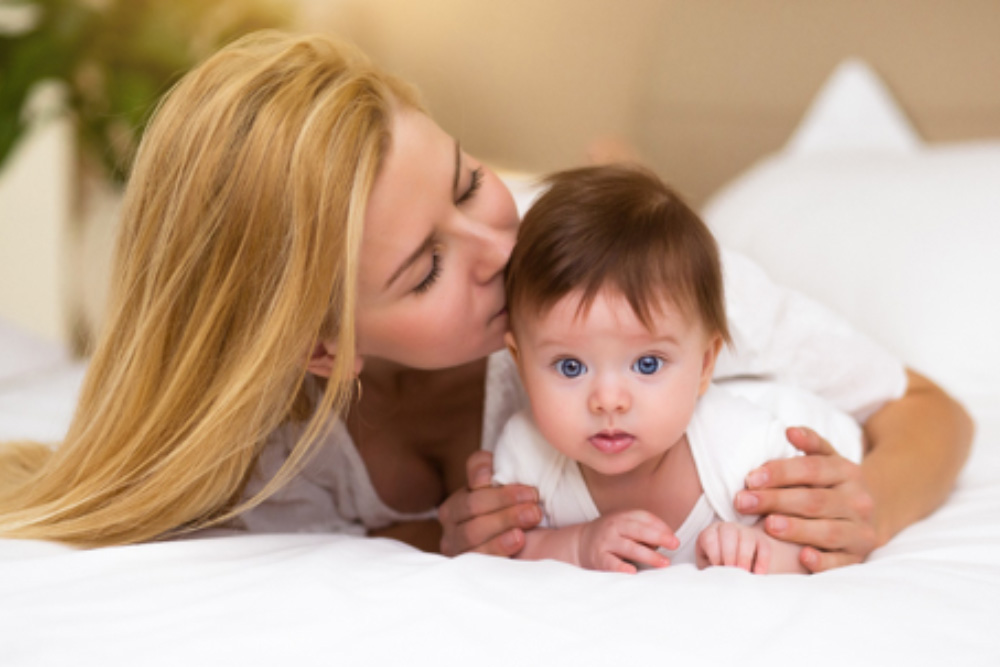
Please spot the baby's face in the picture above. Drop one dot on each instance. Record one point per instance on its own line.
(605, 390)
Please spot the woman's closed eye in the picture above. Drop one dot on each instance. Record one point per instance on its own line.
(432, 275)
(474, 183)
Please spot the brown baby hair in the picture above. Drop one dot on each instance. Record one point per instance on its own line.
(616, 226)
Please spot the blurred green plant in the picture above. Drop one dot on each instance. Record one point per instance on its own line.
(114, 59)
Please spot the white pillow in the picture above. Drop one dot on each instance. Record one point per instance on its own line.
(23, 354)
(524, 187)
(854, 111)
(899, 238)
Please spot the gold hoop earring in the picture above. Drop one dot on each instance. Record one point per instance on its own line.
(357, 389)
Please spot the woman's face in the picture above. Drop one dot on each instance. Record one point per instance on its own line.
(439, 230)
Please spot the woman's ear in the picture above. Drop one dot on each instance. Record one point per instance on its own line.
(708, 363)
(322, 359)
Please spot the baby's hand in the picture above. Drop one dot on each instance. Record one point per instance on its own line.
(616, 541)
(734, 545)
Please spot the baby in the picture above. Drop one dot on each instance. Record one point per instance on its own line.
(615, 297)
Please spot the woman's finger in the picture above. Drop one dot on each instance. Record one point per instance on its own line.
(815, 560)
(803, 502)
(808, 441)
(480, 532)
(506, 544)
(479, 469)
(813, 470)
(464, 505)
(853, 537)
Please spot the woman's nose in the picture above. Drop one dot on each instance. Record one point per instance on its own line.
(608, 397)
(494, 246)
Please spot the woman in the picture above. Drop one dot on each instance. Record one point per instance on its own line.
(301, 241)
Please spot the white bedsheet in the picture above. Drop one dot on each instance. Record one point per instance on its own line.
(932, 596)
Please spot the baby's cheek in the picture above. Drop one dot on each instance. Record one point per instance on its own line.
(555, 419)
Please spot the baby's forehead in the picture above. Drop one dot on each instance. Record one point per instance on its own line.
(654, 312)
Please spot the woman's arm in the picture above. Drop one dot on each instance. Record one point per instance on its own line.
(424, 535)
(841, 511)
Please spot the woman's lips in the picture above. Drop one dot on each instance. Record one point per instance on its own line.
(612, 442)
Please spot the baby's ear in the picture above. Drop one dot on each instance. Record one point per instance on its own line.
(322, 359)
(511, 343)
(708, 362)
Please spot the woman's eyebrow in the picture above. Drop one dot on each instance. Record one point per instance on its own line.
(413, 256)
(458, 167)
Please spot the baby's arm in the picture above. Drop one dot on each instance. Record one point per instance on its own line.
(747, 547)
(613, 543)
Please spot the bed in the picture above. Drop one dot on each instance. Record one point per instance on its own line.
(858, 211)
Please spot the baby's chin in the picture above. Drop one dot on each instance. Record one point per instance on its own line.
(612, 465)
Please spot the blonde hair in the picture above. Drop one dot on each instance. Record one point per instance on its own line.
(238, 251)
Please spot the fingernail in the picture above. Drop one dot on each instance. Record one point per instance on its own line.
(757, 478)
(810, 558)
(778, 524)
(526, 496)
(746, 501)
(511, 539)
(529, 517)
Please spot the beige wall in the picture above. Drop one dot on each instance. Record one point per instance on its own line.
(34, 203)
(701, 87)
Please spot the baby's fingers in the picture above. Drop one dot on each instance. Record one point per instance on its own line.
(609, 562)
(648, 529)
(762, 564)
(708, 549)
(641, 554)
(729, 544)
(747, 551)
(732, 545)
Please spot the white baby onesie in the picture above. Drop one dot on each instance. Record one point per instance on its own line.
(729, 436)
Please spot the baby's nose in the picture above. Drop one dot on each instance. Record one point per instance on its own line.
(609, 397)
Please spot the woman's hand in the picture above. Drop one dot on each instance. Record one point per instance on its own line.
(485, 518)
(820, 500)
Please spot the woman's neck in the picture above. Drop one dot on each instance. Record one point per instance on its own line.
(416, 428)
(393, 382)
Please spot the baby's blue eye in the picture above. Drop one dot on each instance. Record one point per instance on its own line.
(571, 368)
(647, 365)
